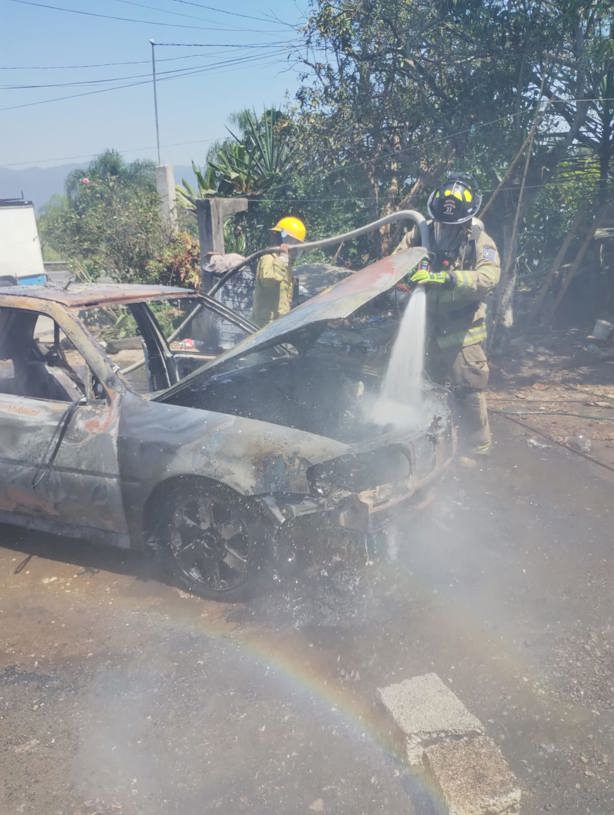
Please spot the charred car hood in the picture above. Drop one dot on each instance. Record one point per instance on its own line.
(335, 303)
(161, 441)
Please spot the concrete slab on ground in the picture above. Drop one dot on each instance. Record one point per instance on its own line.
(426, 710)
(473, 777)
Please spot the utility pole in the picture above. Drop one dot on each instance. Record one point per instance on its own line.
(165, 180)
(155, 94)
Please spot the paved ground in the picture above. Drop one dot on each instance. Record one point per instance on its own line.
(118, 694)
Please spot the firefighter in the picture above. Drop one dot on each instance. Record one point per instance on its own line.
(462, 270)
(274, 281)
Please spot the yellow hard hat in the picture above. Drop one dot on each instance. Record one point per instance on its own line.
(292, 226)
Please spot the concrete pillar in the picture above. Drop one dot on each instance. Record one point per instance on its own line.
(211, 214)
(165, 184)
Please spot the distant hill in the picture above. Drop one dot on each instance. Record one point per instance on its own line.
(38, 184)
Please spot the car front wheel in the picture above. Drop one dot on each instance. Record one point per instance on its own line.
(215, 541)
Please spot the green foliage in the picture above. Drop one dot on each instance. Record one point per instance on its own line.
(395, 93)
(108, 222)
(261, 160)
(206, 186)
(248, 163)
(573, 189)
(178, 264)
(56, 224)
(267, 159)
(111, 166)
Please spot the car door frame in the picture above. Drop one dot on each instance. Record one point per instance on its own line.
(158, 348)
(79, 492)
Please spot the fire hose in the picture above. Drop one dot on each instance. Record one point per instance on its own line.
(401, 215)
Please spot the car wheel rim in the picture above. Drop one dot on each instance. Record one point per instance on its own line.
(210, 543)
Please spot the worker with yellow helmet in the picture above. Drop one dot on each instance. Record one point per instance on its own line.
(274, 282)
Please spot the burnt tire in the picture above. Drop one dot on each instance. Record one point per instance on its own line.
(214, 542)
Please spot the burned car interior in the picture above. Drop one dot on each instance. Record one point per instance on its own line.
(152, 346)
(309, 392)
(34, 359)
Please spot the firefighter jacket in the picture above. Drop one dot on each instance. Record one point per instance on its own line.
(273, 292)
(457, 314)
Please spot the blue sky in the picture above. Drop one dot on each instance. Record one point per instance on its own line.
(192, 109)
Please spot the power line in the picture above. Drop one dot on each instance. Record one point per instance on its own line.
(91, 65)
(216, 45)
(185, 72)
(81, 82)
(93, 155)
(194, 17)
(74, 84)
(383, 199)
(250, 45)
(130, 19)
(162, 11)
(223, 11)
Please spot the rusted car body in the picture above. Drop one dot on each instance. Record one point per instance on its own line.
(223, 453)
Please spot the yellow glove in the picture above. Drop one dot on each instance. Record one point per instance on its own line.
(423, 276)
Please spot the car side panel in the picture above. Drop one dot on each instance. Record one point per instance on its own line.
(158, 442)
(80, 487)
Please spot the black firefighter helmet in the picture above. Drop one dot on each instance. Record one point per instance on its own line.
(455, 201)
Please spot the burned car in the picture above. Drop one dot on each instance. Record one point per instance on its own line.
(137, 416)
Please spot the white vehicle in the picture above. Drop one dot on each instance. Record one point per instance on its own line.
(21, 259)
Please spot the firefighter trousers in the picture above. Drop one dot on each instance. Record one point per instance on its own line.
(465, 371)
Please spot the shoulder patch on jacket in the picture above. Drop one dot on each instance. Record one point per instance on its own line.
(489, 253)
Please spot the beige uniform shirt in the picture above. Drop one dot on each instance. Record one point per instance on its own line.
(273, 292)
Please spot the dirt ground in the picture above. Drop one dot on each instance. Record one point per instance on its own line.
(559, 386)
(121, 694)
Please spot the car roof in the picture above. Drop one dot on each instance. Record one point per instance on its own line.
(79, 295)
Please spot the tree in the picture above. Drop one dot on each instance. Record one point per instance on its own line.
(256, 161)
(595, 50)
(395, 92)
(399, 90)
(111, 166)
(108, 222)
(178, 264)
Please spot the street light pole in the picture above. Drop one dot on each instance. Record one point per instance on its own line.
(155, 93)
